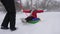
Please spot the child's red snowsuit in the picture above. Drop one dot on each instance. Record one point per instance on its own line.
(34, 13)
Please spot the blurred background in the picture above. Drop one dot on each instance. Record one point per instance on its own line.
(38, 4)
(50, 19)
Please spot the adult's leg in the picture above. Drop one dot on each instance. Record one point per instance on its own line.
(10, 7)
(6, 19)
(12, 20)
(12, 15)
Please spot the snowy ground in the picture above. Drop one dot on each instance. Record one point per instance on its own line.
(49, 24)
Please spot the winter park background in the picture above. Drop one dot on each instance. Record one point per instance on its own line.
(49, 24)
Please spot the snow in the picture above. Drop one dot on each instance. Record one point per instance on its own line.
(49, 24)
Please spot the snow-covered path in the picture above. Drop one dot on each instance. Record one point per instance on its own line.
(49, 24)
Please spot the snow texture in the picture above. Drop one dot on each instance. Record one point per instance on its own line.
(49, 24)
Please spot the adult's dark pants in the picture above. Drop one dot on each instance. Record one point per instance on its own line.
(11, 13)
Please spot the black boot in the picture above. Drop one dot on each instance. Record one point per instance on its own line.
(2, 27)
(13, 29)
